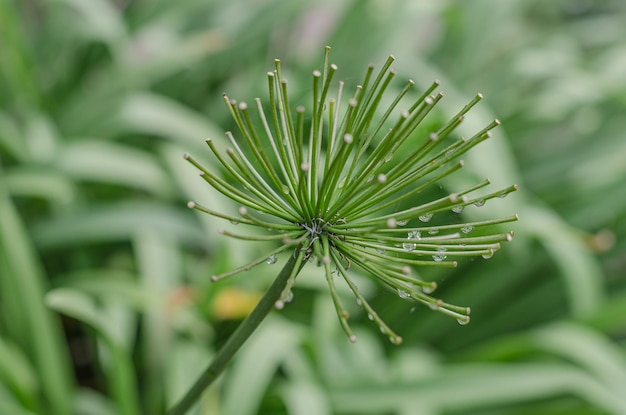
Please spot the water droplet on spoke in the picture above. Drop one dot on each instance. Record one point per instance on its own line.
(488, 255)
(479, 203)
(395, 340)
(435, 305)
(288, 297)
(467, 228)
(409, 246)
(457, 209)
(440, 255)
(426, 217)
(429, 288)
(463, 320)
(403, 294)
(271, 259)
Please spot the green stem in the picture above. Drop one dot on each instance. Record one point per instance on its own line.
(239, 337)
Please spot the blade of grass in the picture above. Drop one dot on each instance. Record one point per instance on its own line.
(121, 376)
(22, 283)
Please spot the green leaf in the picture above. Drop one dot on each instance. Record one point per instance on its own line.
(304, 398)
(121, 378)
(580, 270)
(153, 114)
(587, 348)
(107, 162)
(17, 374)
(117, 222)
(265, 351)
(477, 386)
(38, 183)
(34, 328)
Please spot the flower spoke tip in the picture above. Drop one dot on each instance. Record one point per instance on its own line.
(344, 184)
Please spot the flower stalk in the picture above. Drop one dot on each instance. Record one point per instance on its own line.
(239, 337)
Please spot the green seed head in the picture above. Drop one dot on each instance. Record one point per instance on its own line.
(335, 183)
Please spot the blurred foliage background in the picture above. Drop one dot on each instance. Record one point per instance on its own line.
(105, 304)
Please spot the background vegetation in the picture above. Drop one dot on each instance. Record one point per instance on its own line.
(105, 302)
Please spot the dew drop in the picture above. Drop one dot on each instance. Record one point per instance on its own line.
(403, 294)
(371, 317)
(426, 217)
(428, 289)
(359, 302)
(409, 246)
(467, 228)
(436, 305)
(395, 340)
(457, 209)
(479, 203)
(288, 297)
(401, 222)
(488, 255)
(440, 255)
(389, 157)
(463, 320)
(503, 195)
(234, 222)
(433, 231)
(271, 259)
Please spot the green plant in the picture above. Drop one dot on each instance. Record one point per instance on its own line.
(331, 187)
(97, 100)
